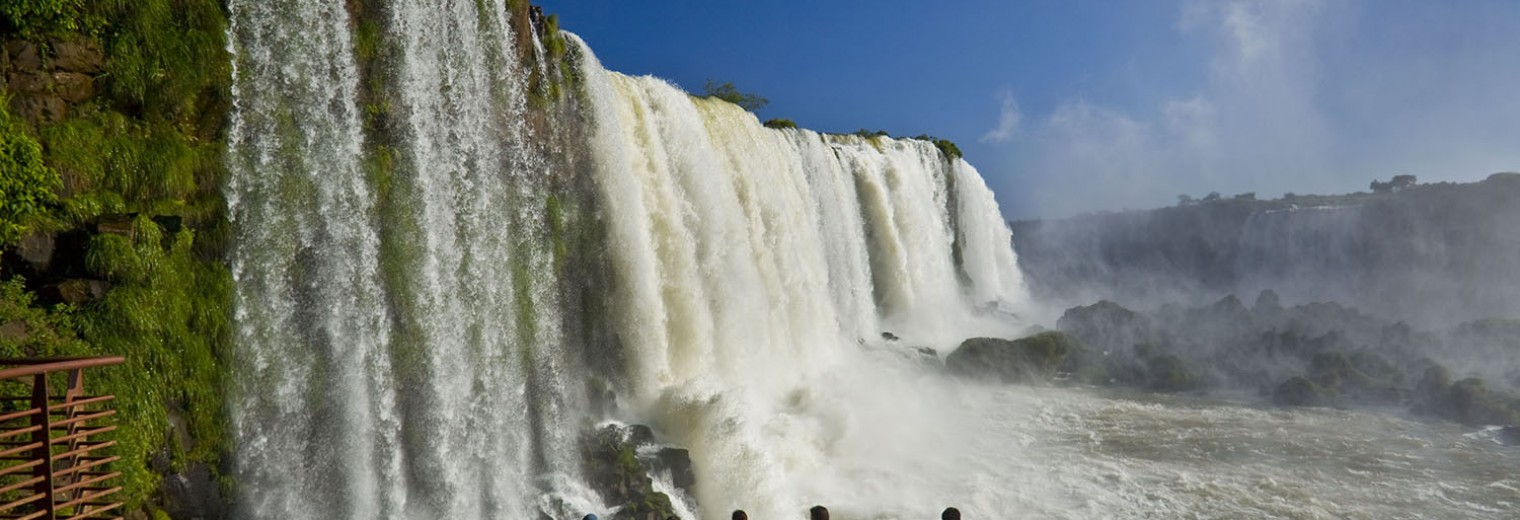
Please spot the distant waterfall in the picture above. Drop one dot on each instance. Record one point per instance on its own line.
(400, 348)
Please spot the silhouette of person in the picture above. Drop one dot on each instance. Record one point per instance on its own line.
(950, 514)
(818, 513)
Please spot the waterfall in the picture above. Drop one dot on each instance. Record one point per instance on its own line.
(314, 404)
(755, 264)
(399, 353)
(401, 348)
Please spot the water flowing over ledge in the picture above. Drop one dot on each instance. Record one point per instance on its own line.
(412, 306)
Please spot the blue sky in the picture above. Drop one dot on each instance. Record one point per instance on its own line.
(1073, 106)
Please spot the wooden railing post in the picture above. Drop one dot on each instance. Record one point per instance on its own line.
(43, 453)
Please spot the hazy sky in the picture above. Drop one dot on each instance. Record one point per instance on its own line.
(1087, 105)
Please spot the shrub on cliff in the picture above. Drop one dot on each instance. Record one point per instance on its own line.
(780, 123)
(26, 184)
(726, 91)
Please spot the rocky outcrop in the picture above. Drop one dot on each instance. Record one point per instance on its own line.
(620, 462)
(1105, 326)
(46, 79)
(1035, 358)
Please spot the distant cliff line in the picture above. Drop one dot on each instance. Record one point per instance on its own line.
(1435, 253)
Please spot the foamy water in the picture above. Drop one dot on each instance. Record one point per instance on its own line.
(1031, 452)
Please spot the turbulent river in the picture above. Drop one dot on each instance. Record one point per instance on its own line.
(1068, 453)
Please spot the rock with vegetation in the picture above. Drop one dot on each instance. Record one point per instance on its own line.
(1035, 358)
(1301, 391)
(113, 227)
(620, 462)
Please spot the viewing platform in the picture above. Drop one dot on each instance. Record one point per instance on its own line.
(53, 463)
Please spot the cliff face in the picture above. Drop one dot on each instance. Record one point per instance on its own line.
(1432, 254)
(111, 232)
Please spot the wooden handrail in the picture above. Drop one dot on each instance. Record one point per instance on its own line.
(33, 366)
(50, 447)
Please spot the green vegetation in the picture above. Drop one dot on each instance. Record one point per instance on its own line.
(945, 146)
(780, 123)
(33, 19)
(726, 91)
(26, 184)
(145, 147)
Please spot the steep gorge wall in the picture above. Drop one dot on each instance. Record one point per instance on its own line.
(1434, 255)
(113, 223)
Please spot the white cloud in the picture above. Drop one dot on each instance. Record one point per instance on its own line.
(1008, 118)
(1253, 120)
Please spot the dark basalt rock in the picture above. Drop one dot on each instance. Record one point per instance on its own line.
(1037, 357)
(78, 56)
(1300, 391)
(1105, 326)
(615, 469)
(1510, 435)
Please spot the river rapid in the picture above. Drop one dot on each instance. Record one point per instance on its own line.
(1032, 452)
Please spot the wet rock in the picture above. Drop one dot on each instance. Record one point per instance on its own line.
(1105, 326)
(73, 86)
(677, 461)
(1037, 357)
(30, 83)
(1300, 391)
(15, 331)
(889, 336)
(76, 291)
(123, 225)
(1510, 435)
(37, 250)
(615, 470)
(193, 494)
(80, 56)
(39, 109)
(23, 54)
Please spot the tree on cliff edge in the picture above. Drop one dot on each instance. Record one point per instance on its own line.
(727, 92)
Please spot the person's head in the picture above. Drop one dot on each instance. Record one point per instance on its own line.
(950, 514)
(739, 514)
(818, 513)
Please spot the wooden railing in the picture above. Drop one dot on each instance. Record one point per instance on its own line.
(52, 463)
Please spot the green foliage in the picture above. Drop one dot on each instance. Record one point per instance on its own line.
(945, 146)
(871, 133)
(166, 57)
(26, 184)
(47, 334)
(168, 315)
(948, 148)
(147, 166)
(554, 42)
(780, 123)
(33, 19)
(148, 144)
(726, 91)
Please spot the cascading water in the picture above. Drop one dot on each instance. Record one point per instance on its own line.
(400, 348)
(392, 334)
(756, 267)
(314, 402)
